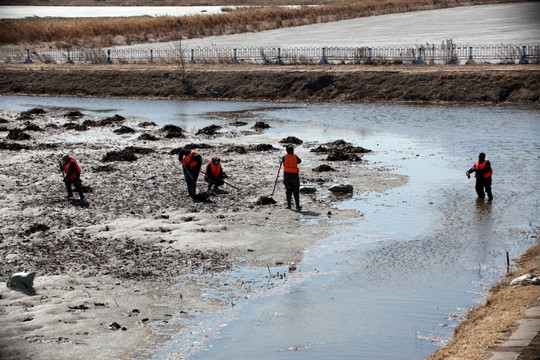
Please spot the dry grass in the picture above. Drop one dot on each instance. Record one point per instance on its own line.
(486, 326)
(89, 32)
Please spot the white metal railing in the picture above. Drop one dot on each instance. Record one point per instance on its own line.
(431, 54)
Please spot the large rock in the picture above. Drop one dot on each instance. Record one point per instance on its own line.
(22, 281)
(525, 280)
(308, 190)
(341, 188)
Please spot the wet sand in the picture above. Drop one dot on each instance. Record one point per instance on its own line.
(116, 272)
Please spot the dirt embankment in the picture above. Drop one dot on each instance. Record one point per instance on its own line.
(497, 84)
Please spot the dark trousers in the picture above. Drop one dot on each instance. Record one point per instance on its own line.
(76, 184)
(191, 181)
(214, 181)
(292, 187)
(481, 184)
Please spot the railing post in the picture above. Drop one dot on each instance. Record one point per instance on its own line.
(323, 61)
(470, 60)
(192, 60)
(524, 56)
(108, 57)
(369, 60)
(419, 59)
(69, 61)
(279, 61)
(151, 56)
(235, 60)
(28, 61)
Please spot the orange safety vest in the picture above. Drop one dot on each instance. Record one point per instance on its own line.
(290, 164)
(214, 169)
(482, 166)
(66, 168)
(186, 161)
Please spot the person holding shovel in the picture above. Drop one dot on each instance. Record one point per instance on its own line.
(72, 172)
(191, 164)
(214, 174)
(291, 179)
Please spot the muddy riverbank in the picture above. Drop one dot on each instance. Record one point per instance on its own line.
(118, 273)
(479, 84)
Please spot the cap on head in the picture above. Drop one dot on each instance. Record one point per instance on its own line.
(65, 159)
(482, 156)
(215, 160)
(184, 152)
(290, 149)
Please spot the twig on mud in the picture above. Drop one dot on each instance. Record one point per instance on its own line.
(116, 302)
(87, 292)
(268, 267)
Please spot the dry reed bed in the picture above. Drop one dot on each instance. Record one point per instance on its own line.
(91, 32)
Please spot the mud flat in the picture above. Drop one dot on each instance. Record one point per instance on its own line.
(118, 273)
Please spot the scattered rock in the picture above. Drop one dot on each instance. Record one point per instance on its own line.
(208, 130)
(291, 140)
(23, 281)
(320, 149)
(124, 130)
(27, 115)
(341, 188)
(340, 155)
(525, 280)
(265, 200)
(259, 125)
(18, 134)
(3, 121)
(324, 168)
(308, 190)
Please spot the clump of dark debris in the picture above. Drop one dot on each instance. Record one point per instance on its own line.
(145, 124)
(262, 147)
(208, 130)
(238, 123)
(12, 146)
(74, 114)
(104, 168)
(127, 154)
(324, 168)
(340, 150)
(112, 120)
(147, 137)
(75, 126)
(124, 130)
(18, 134)
(291, 140)
(265, 200)
(260, 125)
(34, 228)
(173, 131)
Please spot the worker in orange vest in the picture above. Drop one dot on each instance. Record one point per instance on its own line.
(483, 172)
(291, 179)
(214, 174)
(69, 166)
(191, 164)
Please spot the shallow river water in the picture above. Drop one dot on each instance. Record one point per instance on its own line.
(396, 285)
